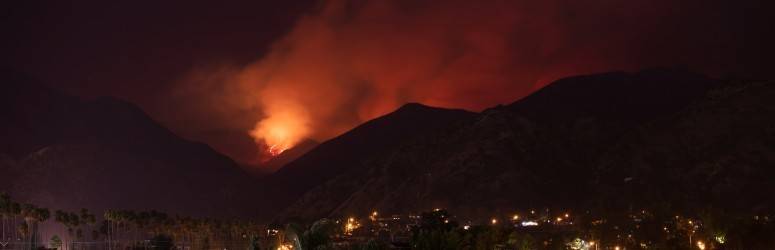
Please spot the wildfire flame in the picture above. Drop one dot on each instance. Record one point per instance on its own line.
(276, 150)
(281, 130)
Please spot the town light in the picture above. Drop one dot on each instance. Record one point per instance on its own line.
(701, 245)
(720, 238)
(516, 217)
(494, 221)
(578, 244)
(529, 223)
(350, 226)
(592, 244)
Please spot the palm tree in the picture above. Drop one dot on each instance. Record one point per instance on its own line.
(109, 218)
(41, 215)
(16, 211)
(23, 230)
(27, 213)
(9, 211)
(32, 216)
(56, 242)
(87, 218)
(73, 223)
(62, 218)
(142, 222)
(5, 213)
(85, 221)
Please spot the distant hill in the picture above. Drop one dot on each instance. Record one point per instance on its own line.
(69, 153)
(350, 150)
(606, 140)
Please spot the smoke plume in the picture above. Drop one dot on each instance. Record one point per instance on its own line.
(350, 61)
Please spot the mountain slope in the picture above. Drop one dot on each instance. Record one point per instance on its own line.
(106, 153)
(349, 150)
(717, 150)
(552, 149)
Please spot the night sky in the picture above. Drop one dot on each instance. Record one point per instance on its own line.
(243, 76)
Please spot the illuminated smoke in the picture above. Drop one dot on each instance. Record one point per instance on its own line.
(350, 61)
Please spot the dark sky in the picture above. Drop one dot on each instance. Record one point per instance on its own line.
(286, 70)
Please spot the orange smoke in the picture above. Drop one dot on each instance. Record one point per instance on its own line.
(351, 61)
(348, 63)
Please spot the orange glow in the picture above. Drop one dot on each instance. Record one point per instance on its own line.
(282, 129)
(275, 150)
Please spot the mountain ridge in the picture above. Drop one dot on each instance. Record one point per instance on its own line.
(76, 153)
(516, 157)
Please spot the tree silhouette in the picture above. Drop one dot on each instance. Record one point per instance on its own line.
(55, 242)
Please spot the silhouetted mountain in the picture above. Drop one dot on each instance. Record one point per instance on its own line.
(105, 153)
(619, 97)
(580, 142)
(350, 150)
